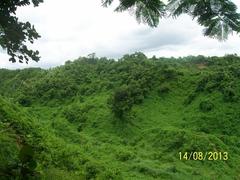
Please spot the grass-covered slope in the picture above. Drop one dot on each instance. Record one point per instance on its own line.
(102, 119)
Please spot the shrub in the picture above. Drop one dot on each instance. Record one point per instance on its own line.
(202, 84)
(169, 73)
(92, 170)
(126, 96)
(121, 102)
(58, 87)
(190, 98)
(24, 101)
(74, 114)
(149, 171)
(235, 71)
(163, 89)
(24, 167)
(8, 150)
(229, 95)
(80, 127)
(110, 174)
(54, 173)
(124, 155)
(206, 106)
(136, 93)
(220, 76)
(27, 161)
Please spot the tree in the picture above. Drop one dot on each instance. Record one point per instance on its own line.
(121, 102)
(15, 34)
(218, 17)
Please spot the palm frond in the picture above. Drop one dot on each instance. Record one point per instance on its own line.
(219, 17)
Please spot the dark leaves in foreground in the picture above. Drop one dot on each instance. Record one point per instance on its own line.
(14, 35)
(218, 17)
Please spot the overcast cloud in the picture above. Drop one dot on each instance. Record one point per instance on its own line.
(73, 28)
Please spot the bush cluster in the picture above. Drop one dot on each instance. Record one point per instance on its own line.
(206, 106)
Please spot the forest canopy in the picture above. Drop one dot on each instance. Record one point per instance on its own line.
(96, 118)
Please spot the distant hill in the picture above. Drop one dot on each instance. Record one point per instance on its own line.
(97, 118)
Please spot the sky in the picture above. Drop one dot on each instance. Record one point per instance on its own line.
(73, 28)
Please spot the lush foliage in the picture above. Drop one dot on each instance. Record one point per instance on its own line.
(96, 118)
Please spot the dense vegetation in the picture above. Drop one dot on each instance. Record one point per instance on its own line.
(96, 118)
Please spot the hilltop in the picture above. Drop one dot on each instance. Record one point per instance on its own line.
(97, 118)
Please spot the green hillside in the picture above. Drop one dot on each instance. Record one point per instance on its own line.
(96, 118)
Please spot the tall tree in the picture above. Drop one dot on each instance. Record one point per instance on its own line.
(218, 17)
(14, 35)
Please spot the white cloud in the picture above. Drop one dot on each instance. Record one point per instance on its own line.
(74, 28)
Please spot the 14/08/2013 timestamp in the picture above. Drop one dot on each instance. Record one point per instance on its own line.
(201, 156)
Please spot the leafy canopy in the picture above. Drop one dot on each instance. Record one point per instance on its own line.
(218, 17)
(15, 34)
